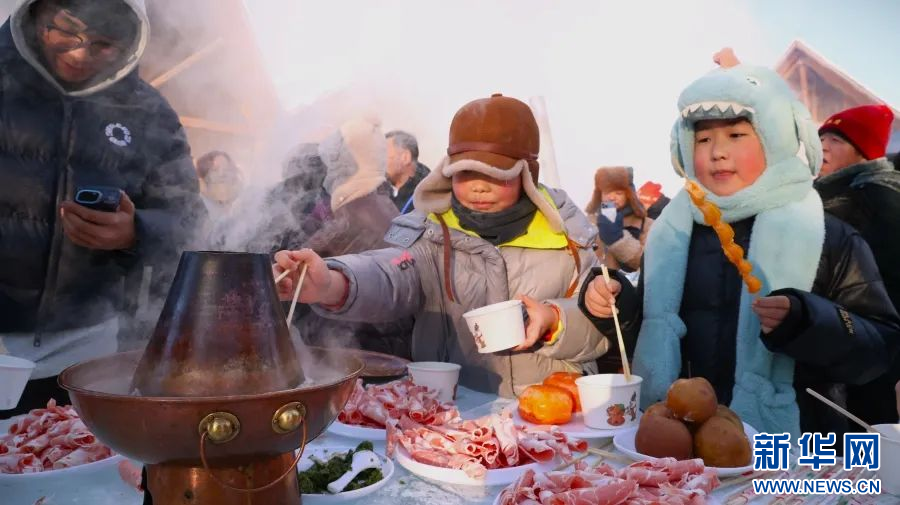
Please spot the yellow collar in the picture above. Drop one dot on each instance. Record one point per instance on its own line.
(539, 235)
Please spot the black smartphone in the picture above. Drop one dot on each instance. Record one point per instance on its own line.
(102, 198)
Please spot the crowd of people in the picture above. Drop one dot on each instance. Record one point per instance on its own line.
(397, 252)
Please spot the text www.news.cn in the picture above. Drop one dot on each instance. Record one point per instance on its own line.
(816, 486)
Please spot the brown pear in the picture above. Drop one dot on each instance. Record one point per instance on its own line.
(721, 444)
(659, 409)
(725, 412)
(692, 400)
(663, 437)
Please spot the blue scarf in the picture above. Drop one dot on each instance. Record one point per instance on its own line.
(785, 249)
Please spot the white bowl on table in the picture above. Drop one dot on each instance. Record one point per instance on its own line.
(324, 453)
(14, 375)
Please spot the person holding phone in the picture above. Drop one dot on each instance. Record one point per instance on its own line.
(621, 218)
(77, 118)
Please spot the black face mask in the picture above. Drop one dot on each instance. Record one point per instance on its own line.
(496, 227)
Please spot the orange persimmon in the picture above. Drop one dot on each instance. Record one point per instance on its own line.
(566, 380)
(543, 404)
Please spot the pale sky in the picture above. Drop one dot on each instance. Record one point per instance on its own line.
(609, 72)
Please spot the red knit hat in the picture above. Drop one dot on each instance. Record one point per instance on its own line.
(867, 127)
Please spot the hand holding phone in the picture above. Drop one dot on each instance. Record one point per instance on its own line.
(102, 198)
(99, 218)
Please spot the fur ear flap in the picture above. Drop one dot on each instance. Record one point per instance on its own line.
(808, 135)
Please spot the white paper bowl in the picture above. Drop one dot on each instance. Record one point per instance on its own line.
(387, 469)
(608, 402)
(439, 376)
(14, 375)
(890, 457)
(497, 327)
(624, 442)
(498, 477)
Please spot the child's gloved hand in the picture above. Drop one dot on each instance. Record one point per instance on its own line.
(772, 311)
(541, 319)
(600, 298)
(318, 285)
(611, 231)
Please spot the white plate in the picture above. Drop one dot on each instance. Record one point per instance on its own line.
(387, 469)
(359, 432)
(497, 477)
(64, 473)
(624, 442)
(576, 427)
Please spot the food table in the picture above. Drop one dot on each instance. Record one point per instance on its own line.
(106, 488)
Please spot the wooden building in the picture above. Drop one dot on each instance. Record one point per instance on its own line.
(204, 58)
(825, 88)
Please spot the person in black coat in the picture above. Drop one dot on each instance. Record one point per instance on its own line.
(862, 188)
(403, 171)
(822, 318)
(74, 113)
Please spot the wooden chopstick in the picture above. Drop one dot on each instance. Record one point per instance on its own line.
(625, 366)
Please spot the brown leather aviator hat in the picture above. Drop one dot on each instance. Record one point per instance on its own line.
(498, 131)
(498, 137)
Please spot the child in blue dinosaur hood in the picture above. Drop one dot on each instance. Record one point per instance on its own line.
(823, 319)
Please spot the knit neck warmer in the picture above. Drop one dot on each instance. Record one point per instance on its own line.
(496, 227)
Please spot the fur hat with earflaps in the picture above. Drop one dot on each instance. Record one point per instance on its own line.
(608, 179)
(498, 137)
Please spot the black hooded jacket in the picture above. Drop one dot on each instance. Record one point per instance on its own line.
(124, 135)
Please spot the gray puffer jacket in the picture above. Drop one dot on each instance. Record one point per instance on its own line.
(409, 280)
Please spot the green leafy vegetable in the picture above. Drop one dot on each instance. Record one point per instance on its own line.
(315, 480)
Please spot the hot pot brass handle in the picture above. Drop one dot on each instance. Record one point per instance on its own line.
(285, 415)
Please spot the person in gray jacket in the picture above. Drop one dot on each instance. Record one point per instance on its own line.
(483, 232)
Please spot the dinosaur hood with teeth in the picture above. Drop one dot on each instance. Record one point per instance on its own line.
(782, 122)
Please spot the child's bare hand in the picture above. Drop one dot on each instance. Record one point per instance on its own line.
(541, 319)
(772, 311)
(897, 388)
(318, 278)
(600, 298)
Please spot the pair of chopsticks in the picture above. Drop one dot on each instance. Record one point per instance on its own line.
(281, 277)
(625, 366)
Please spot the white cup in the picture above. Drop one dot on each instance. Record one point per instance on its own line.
(609, 402)
(14, 374)
(889, 472)
(497, 327)
(439, 376)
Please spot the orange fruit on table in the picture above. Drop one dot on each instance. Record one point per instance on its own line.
(566, 380)
(544, 404)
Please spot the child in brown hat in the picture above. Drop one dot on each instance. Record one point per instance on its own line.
(483, 232)
(621, 240)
